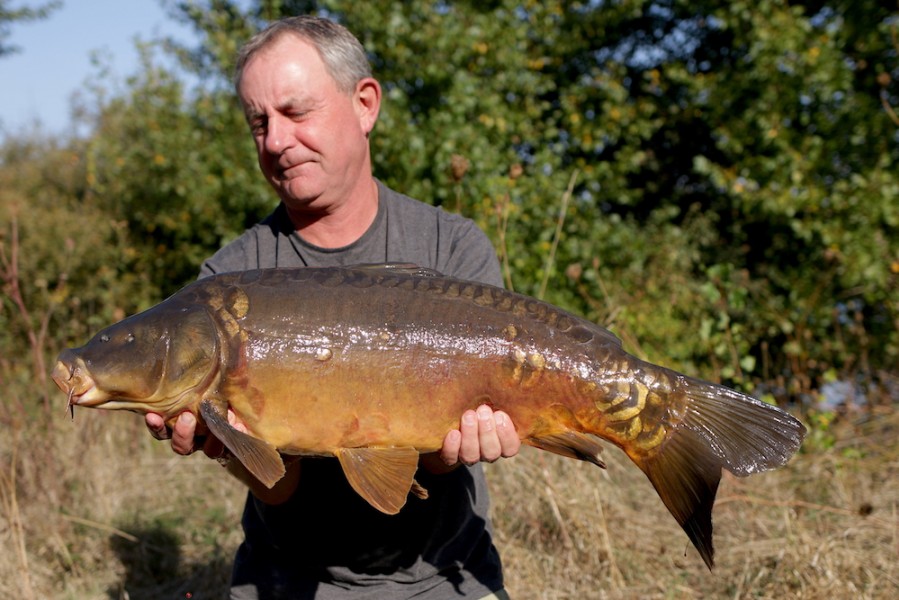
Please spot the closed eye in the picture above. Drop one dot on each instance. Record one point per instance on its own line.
(258, 126)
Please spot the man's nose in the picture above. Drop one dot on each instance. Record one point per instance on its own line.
(277, 136)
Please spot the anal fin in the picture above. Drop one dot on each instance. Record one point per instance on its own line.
(383, 476)
(571, 444)
(259, 457)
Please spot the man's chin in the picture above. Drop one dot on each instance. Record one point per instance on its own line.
(298, 193)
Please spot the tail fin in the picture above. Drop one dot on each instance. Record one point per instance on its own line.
(721, 429)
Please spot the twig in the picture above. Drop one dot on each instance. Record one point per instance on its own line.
(563, 210)
(10, 276)
(801, 504)
(557, 514)
(614, 572)
(891, 113)
(100, 526)
(889, 108)
(13, 516)
(502, 213)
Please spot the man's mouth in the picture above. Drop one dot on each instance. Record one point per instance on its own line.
(287, 171)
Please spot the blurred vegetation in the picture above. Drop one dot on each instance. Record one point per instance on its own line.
(715, 181)
(10, 15)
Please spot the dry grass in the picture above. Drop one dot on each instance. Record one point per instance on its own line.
(97, 509)
(826, 526)
(104, 511)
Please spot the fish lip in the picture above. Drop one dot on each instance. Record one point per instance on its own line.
(92, 396)
(71, 377)
(62, 375)
(85, 392)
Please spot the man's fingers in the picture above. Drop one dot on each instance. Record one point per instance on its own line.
(507, 434)
(469, 447)
(156, 425)
(236, 422)
(189, 435)
(213, 448)
(183, 433)
(490, 447)
(483, 435)
(449, 452)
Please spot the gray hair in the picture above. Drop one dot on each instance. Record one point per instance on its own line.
(340, 51)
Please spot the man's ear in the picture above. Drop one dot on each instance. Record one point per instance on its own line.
(367, 100)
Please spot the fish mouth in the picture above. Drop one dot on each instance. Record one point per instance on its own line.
(90, 397)
(72, 378)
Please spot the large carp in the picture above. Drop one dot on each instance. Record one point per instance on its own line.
(375, 364)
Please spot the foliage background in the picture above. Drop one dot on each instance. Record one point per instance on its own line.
(714, 181)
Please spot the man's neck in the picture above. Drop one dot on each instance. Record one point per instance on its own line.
(340, 225)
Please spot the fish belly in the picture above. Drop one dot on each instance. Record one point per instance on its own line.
(397, 397)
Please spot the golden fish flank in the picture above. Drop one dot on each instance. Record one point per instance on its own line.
(367, 344)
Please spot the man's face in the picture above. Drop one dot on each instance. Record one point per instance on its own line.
(311, 137)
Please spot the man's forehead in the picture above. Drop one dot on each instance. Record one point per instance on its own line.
(285, 50)
(289, 76)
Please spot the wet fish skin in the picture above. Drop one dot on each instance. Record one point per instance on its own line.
(375, 364)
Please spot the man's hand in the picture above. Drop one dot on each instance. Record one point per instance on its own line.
(483, 435)
(188, 435)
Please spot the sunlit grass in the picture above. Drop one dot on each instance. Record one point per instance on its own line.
(97, 509)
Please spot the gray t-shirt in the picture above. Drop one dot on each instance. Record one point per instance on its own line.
(326, 542)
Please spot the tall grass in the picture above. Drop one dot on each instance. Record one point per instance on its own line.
(94, 508)
(825, 526)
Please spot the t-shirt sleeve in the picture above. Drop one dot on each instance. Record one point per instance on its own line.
(430, 236)
(234, 256)
(472, 255)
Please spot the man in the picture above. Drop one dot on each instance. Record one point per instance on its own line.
(310, 100)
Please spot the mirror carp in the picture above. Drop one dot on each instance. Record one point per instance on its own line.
(374, 364)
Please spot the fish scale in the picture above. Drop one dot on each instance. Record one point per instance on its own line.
(374, 364)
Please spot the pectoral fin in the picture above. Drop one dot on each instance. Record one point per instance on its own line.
(383, 476)
(571, 444)
(259, 457)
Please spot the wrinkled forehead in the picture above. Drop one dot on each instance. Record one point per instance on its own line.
(285, 46)
(293, 68)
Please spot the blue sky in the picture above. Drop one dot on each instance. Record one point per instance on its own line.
(54, 58)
